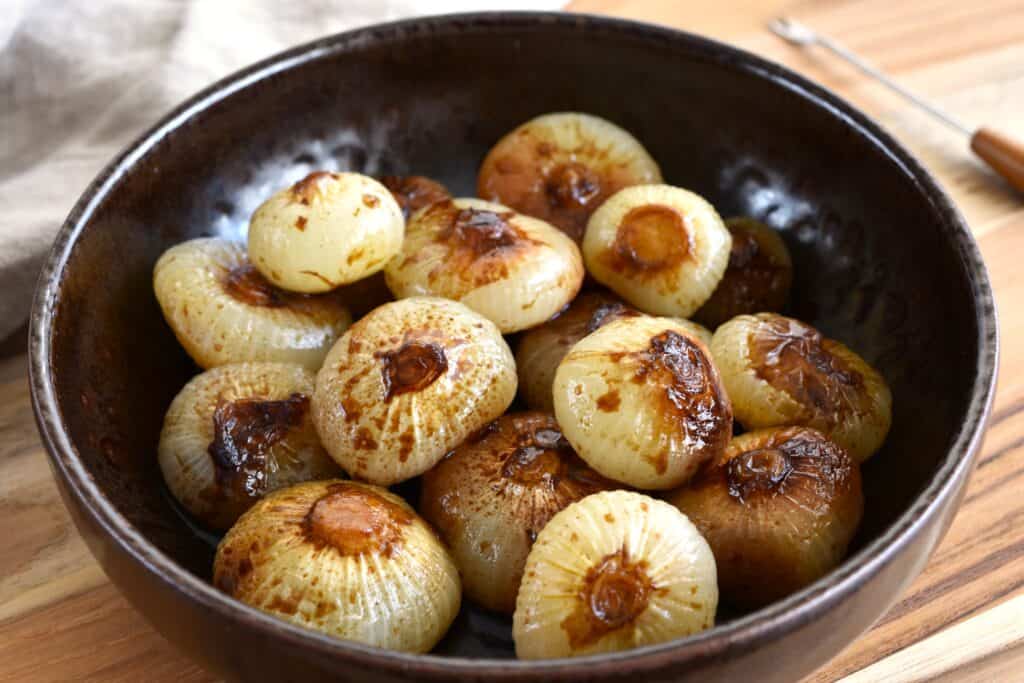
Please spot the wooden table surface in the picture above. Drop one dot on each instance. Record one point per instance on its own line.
(60, 619)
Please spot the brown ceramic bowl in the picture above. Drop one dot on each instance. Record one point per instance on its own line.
(883, 262)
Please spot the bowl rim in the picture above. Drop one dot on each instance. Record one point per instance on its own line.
(739, 635)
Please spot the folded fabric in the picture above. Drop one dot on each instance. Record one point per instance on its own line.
(79, 80)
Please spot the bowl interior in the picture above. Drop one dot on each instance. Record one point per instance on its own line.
(875, 267)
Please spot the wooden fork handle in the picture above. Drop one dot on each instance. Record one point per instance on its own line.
(1002, 153)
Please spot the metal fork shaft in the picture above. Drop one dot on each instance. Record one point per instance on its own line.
(859, 63)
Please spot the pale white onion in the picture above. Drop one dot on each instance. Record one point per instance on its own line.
(661, 248)
(615, 571)
(642, 403)
(327, 230)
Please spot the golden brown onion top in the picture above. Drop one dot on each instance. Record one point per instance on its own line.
(651, 239)
(308, 189)
(481, 244)
(413, 366)
(642, 403)
(796, 464)
(614, 593)
(614, 571)
(529, 179)
(779, 510)
(661, 248)
(245, 284)
(237, 432)
(407, 383)
(349, 560)
(355, 521)
(795, 358)
(244, 431)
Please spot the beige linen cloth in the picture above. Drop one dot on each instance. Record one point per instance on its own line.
(79, 79)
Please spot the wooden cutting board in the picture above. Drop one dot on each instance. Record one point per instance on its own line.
(963, 619)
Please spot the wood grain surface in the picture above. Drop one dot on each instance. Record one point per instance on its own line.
(60, 619)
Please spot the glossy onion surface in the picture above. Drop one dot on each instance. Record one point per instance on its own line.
(642, 403)
(327, 230)
(515, 270)
(561, 167)
(237, 432)
(661, 248)
(779, 509)
(780, 371)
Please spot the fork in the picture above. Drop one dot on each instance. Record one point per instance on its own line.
(1002, 153)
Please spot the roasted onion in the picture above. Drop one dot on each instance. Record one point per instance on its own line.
(493, 494)
(408, 383)
(642, 403)
(779, 509)
(780, 371)
(223, 311)
(327, 230)
(615, 571)
(515, 270)
(237, 432)
(350, 560)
